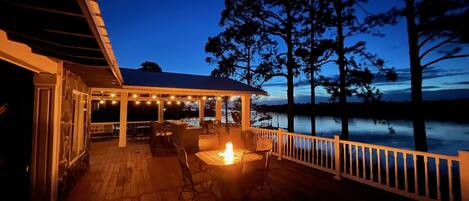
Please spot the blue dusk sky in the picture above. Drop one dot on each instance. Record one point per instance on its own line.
(174, 33)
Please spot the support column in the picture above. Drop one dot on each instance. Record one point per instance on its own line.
(45, 137)
(245, 112)
(161, 112)
(218, 105)
(123, 120)
(201, 110)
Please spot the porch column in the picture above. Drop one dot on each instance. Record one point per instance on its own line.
(218, 105)
(123, 120)
(46, 136)
(161, 112)
(201, 110)
(245, 112)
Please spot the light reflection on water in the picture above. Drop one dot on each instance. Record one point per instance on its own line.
(443, 137)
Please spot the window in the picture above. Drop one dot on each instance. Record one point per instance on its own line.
(79, 111)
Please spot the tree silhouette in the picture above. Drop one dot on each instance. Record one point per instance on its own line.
(150, 66)
(355, 77)
(241, 52)
(315, 50)
(280, 21)
(432, 26)
(436, 31)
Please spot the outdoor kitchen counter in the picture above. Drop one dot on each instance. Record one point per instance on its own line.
(186, 136)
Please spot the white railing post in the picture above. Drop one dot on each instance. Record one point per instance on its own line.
(280, 143)
(464, 174)
(337, 156)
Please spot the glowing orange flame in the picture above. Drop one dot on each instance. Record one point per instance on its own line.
(228, 155)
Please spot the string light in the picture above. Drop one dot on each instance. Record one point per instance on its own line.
(154, 96)
(148, 102)
(169, 102)
(113, 95)
(179, 102)
(218, 98)
(189, 97)
(158, 102)
(137, 102)
(102, 101)
(114, 102)
(204, 98)
(135, 96)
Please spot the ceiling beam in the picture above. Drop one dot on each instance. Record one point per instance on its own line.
(44, 9)
(69, 33)
(51, 43)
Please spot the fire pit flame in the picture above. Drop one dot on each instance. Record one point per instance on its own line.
(228, 155)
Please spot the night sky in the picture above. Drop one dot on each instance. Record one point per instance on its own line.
(174, 33)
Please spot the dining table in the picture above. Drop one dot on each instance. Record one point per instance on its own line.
(227, 172)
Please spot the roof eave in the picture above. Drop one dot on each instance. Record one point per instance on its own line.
(189, 91)
(92, 16)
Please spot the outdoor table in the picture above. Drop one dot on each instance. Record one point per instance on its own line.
(213, 157)
(228, 176)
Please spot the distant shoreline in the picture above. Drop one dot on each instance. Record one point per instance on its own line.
(447, 110)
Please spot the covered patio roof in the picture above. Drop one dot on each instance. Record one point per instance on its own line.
(162, 80)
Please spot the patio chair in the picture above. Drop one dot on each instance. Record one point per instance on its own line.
(236, 118)
(256, 175)
(193, 181)
(161, 138)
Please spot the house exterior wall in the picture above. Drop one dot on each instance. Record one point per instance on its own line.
(69, 173)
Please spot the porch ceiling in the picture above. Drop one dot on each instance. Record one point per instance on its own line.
(72, 31)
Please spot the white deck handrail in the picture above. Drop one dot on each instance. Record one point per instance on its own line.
(414, 174)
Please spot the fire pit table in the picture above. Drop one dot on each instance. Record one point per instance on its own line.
(225, 164)
(215, 158)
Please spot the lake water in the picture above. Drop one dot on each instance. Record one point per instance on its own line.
(443, 137)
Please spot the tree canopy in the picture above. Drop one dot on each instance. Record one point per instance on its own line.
(150, 66)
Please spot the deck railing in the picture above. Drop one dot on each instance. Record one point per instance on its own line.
(111, 129)
(413, 174)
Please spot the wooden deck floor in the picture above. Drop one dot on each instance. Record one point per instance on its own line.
(133, 174)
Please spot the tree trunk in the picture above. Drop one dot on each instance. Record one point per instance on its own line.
(420, 136)
(290, 66)
(312, 69)
(290, 98)
(342, 72)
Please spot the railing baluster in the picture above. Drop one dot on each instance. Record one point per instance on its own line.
(302, 148)
(438, 192)
(344, 162)
(387, 166)
(416, 186)
(332, 155)
(427, 191)
(363, 163)
(396, 176)
(350, 158)
(378, 151)
(356, 161)
(327, 154)
(371, 163)
(450, 180)
(406, 185)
